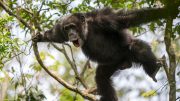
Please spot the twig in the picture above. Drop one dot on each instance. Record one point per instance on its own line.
(71, 63)
(13, 57)
(165, 66)
(92, 90)
(27, 10)
(178, 98)
(41, 6)
(71, 54)
(84, 68)
(23, 77)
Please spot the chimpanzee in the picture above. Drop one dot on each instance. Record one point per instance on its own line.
(102, 35)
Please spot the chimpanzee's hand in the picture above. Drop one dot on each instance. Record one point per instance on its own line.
(37, 37)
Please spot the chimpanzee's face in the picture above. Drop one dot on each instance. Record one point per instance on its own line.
(73, 27)
(54, 34)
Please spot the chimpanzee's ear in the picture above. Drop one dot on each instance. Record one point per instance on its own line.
(82, 18)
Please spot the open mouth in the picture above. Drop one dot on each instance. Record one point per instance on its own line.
(76, 43)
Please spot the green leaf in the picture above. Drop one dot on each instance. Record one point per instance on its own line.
(16, 85)
(42, 55)
(67, 95)
(152, 27)
(51, 56)
(177, 29)
(37, 67)
(149, 93)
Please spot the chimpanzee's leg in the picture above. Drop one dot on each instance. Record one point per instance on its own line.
(104, 86)
(143, 54)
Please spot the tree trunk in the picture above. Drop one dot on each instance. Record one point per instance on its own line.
(172, 60)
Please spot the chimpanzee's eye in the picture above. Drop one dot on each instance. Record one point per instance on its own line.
(72, 26)
(66, 28)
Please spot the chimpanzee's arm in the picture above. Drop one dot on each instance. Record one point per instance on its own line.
(134, 18)
(55, 34)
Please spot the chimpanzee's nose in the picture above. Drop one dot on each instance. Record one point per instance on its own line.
(72, 36)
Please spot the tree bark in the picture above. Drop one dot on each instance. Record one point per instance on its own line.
(172, 60)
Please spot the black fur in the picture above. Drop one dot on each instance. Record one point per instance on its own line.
(108, 43)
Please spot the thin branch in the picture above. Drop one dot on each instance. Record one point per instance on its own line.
(13, 57)
(92, 90)
(71, 54)
(165, 66)
(85, 68)
(26, 10)
(12, 14)
(23, 76)
(73, 65)
(42, 4)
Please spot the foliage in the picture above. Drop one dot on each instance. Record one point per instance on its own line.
(28, 81)
(67, 95)
(7, 44)
(33, 94)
